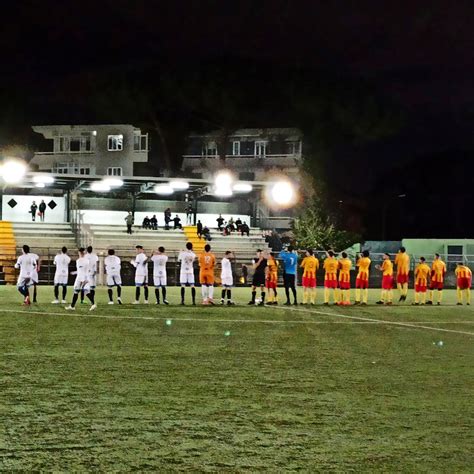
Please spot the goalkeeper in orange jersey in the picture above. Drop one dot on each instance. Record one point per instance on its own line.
(345, 266)
(422, 273)
(271, 279)
(402, 261)
(330, 277)
(463, 283)
(362, 280)
(310, 265)
(438, 270)
(387, 280)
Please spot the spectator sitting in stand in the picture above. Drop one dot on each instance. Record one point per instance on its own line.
(177, 222)
(238, 224)
(146, 223)
(154, 222)
(206, 233)
(230, 224)
(167, 218)
(245, 229)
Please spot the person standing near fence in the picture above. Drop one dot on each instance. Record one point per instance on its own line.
(345, 266)
(159, 260)
(463, 283)
(330, 266)
(33, 209)
(42, 210)
(362, 280)
(402, 261)
(113, 266)
(422, 273)
(129, 221)
(310, 266)
(386, 268)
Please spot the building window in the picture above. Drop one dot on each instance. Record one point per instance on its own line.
(140, 142)
(75, 144)
(236, 148)
(115, 143)
(260, 148)
(210, 149)
(114, 171)
(294, 148)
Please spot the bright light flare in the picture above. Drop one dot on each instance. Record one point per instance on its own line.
(281, 194)
(242, 187)
(223, 183)
(43, 179)
(13, 171)
(113, 182)
(179, 185)
(164, 189)
(100, 187)
(40, 185)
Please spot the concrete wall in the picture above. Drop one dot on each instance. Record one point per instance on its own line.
(428, 247)
(20, 213)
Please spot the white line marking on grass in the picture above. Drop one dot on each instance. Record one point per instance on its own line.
(353, 319)
(381, 321)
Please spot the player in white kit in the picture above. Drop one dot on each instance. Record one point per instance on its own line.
(112, 266)
(186, 274)
(141, 274)
(82, 281)
(159, 260)
(61, 262)
(93, 260)
(27, 265)
(35, 276)
(227, 279)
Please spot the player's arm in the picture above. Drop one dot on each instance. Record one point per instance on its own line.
(18, 263)
(255, 264)
(38, 264)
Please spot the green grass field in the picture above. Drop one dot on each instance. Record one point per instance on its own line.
(312, 389)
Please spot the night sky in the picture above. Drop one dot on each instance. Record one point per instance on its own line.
(417, 55)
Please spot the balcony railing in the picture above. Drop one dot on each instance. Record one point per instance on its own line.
(260, 157)
(89, 152)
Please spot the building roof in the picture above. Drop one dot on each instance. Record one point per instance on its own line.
(289, 132)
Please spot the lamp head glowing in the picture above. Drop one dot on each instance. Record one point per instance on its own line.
(43, 179)
(100, 186)
(13, 171)
(242, 187)
(281, 193)
(113, 182)
(164, 189)
(179, 185)
(223, 183)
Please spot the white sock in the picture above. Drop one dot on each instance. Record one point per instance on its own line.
(204, 292)
(211, 292)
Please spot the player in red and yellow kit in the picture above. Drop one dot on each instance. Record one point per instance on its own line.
(345, 266)
(310, 265)
(271, 279)
(207, 262)
(330, 276)
(387, 280)
(362, 280)
(463, 283)
(402, 261)
(422, 274)
(438, 270)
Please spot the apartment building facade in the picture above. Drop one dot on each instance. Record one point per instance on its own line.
(109, 150)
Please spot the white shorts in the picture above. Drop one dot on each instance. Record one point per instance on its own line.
(80, 285)
(159, 280)
(141, 280)
(92, 281)
(186, 279)
(114, 280)
(227, 281)
(24, 281)
(60, 279)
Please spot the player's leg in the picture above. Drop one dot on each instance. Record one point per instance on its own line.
(365, 293)
(468, 295)
(326, 295)
(459, 295)
(254, 294)
(262, 295)
(383, 296)
(183, 292)
(163, 293)
(312, 293)
(193, 294)
(145, 292)
(417, 295)
(137, 293)
(82, 296)
(210, 292)
(34, 293)
(157, 294)
(56, 293)
(287, 284)
(423, 297)
(292, 284)
(111, 295)
(64, 293)
(357, 293)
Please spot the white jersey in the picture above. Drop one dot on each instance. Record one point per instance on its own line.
(159, 264)
(93, 259)
(141, 265)
(112, 265)
(83, 267)
(35, 271)
(226, 272)
(27, 265)
(186, 257)
(61, 262)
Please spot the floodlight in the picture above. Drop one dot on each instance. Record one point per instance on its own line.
(282, 193)
(181, 185)
(223, 192)
(43, 179)
(40, 185)
(113, 182)
(164, 189)
(13, 171)
(242, 187)
(100, 186)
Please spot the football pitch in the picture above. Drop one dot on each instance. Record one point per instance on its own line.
(155, 388)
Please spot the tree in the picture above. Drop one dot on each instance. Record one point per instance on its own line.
(315, 229)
